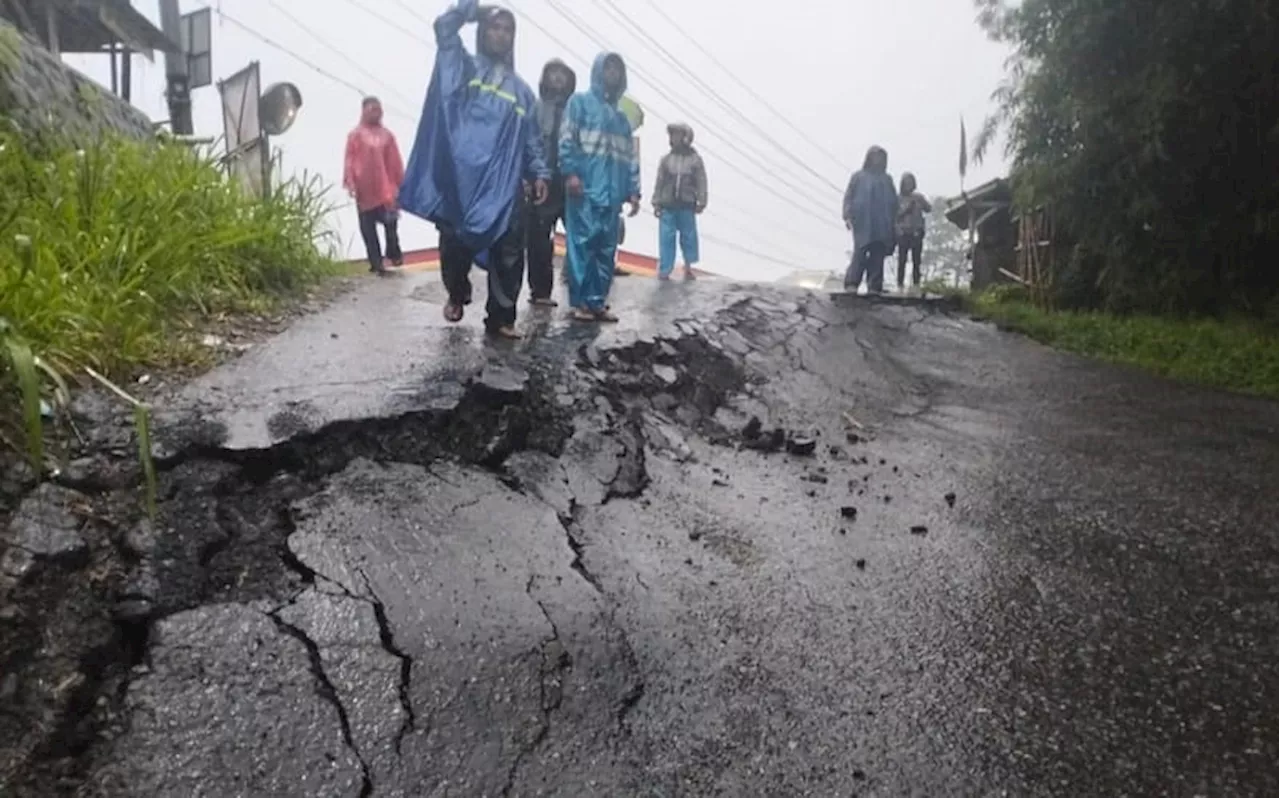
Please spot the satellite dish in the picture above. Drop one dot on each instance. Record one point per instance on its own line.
(278, 107)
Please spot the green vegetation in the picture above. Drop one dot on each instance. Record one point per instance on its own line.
(1150, 131)
(110, 257)
(1240, 355)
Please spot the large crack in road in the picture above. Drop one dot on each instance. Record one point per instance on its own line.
(226, 537)
(579, 570)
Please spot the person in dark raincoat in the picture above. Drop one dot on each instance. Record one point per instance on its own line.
(909, 228)
(554, 90)
(598, 160)
(679, 194)
(477, 143)
(870, 209)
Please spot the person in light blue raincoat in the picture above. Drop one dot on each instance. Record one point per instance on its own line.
(870, 210)
(598, 160)
(477, 144)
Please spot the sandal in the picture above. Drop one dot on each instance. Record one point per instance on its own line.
(453, 312)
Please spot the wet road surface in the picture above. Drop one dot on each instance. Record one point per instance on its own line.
(425, 565)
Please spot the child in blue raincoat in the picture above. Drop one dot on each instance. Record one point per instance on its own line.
(601, 173)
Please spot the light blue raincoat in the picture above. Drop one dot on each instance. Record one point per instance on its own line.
(478, 137)
(596, 146)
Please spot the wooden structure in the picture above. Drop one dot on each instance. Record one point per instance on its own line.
(1035, 252)
(111, 27)
(986, 212)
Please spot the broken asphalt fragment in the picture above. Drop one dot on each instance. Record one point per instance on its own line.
(803, 447)
(45, 528)
(502, 382)
(770, 441)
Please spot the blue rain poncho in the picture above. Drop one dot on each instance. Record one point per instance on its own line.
(596, 146)
(478, 137)
(871, 201)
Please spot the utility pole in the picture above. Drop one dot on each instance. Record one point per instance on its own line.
(177, 83)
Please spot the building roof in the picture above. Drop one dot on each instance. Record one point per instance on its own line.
(983, 200)
(89, 26)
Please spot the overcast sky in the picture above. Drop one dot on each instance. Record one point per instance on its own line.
(847, 75)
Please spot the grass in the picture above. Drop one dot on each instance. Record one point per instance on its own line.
(1234, 355)
(111, 256)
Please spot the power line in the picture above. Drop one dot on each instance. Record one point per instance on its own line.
(618, 14)
(336, 51)
(224, 16)
(802, 195)
(569, 49)
(747, 87)
(746, 250)
(391, 23)
(412, 12)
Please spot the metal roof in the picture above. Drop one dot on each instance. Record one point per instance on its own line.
(89, 26)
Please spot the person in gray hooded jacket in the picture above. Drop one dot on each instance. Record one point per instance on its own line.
(679, 194)
(554, 90)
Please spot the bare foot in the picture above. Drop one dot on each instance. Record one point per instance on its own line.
(582, 314)
(688, 273)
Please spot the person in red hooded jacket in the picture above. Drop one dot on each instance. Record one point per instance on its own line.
(372, 175)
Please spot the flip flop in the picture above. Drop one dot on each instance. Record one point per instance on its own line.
(453, 312)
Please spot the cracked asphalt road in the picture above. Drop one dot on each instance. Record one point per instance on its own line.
(398, 561)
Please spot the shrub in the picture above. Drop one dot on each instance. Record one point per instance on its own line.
(106, 253)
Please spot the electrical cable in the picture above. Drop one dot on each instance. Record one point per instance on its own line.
(755, 95)
(335, 50)
(801, 194)
(749, 214)
(391, 23)
(675, 63)
(224, 16)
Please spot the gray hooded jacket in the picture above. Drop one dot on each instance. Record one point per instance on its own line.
(682, 177)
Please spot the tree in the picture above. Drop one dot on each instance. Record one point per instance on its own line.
(946, 247)
(1150, 130)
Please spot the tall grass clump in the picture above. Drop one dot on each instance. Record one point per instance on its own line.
(110, 253)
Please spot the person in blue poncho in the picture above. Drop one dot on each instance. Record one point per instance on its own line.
(478, 145)
(870, 211)
(601, 173)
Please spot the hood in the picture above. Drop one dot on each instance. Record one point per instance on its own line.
(544, 91)
(686, 132)
(597, 76)
(907, 179)
(873, 151)
(488, 14)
